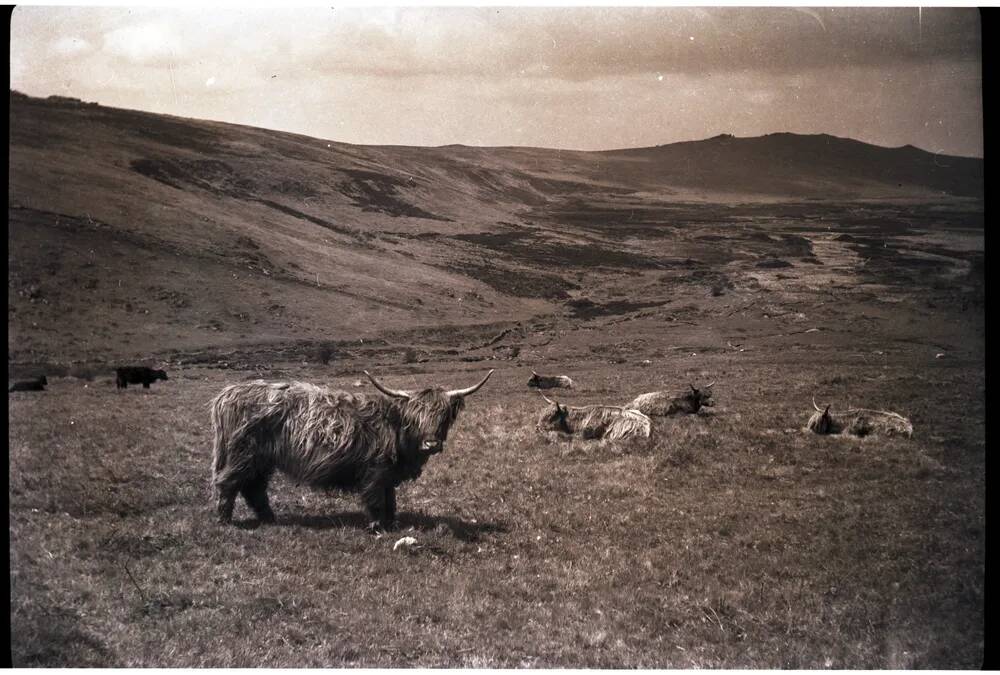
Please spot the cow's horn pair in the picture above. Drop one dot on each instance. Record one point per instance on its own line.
(454, 393)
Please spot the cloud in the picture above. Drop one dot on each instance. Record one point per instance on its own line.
(587, 43)
(147, 44)
(563, 77)
(70, 46)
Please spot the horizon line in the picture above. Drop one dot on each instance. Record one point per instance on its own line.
(57, 97)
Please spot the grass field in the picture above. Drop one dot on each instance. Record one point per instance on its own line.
(730, 539)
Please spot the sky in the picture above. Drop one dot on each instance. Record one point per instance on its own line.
(568, 77)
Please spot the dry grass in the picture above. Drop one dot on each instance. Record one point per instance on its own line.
(728, 539)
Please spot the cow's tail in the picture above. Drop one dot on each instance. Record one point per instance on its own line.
(223, 428)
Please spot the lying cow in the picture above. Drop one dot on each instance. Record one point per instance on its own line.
(610, 422)
(36, 384)
(662, 404)
(549, 381)
(859, 422)
(127, 375)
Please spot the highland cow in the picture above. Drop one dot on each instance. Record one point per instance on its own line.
(36, 384)
(549, 381)
(327, 439)
(662, 404)
(127, 375)
(609, 422)
(859, 422)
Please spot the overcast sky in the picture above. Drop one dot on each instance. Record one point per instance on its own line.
(583, 78)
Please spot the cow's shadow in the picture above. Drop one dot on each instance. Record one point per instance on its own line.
(464, 530)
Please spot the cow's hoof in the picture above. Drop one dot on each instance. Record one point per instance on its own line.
(378, 527)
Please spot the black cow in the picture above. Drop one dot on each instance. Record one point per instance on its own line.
(37, 384)
(127, 375)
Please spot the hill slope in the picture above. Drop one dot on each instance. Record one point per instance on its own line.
(130, 232)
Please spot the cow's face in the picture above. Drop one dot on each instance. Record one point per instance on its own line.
(534, 381)
(555, 418)
(704, 397)
(427, 418)
(822, 422)
(160, 374)
(428, 415)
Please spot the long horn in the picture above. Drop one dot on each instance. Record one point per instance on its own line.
(816, 406)
(709, 385)
(385, 390)
(461, 393)
(547, 399)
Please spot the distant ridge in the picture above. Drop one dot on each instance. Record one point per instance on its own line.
(725, 167)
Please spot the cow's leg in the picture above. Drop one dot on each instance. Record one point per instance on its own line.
(376, 503)
(255, 494)
(228, 484)
(390, 504)
(145, 385)
(225, 500)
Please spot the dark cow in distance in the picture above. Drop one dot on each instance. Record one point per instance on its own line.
(663, 404)
(327, 439)
(36, 384)
(127, 375)
(549, 381)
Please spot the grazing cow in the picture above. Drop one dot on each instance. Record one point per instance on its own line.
(327, 439)
(549, 381)
(859, 422)
(610, 422)
(36, 384)
(127, 375)
(662, 404)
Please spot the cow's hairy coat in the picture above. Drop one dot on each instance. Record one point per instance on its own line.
(537, 381)
(595, 422)
(662, 404)
(326, 439)
(859, 422)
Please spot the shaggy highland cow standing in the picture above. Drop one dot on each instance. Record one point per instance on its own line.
(662, 404)
(609, 422)
(36, 384)
(859, 422)
(326, 439)
(549, 381)
(127, 375)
